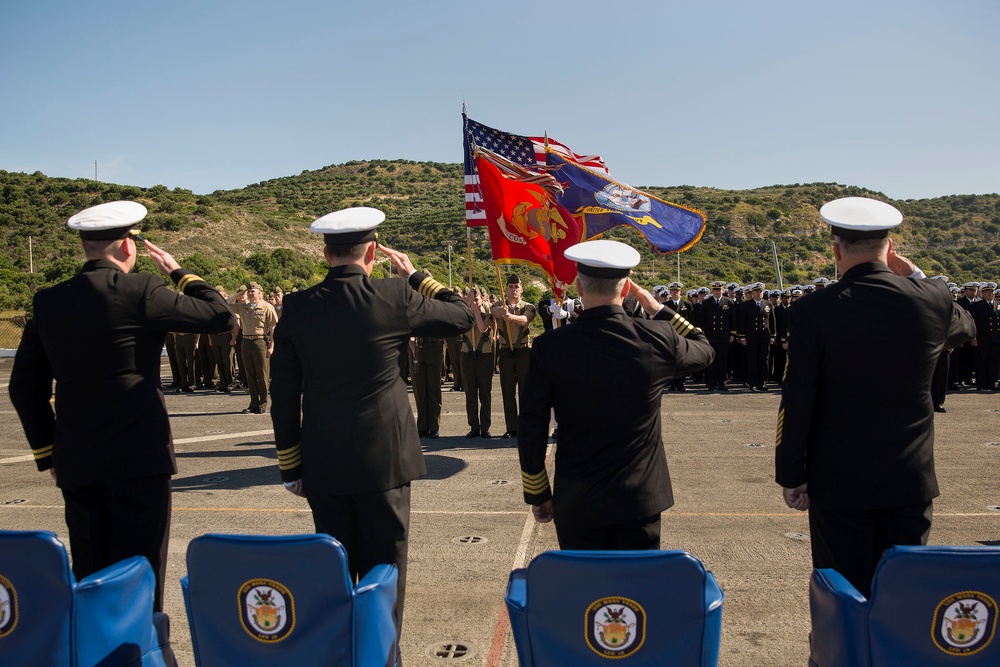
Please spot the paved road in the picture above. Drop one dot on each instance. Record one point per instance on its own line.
(470, 526)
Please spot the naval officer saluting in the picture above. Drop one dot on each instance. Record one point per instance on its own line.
(108, 442)
(343, 427)
(605, 376)
(855, 437)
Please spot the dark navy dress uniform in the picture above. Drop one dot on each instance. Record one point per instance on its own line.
(717, 318)
(856, 420)
(755, 324)
(99, 335)
(987, 317)
(341, 414)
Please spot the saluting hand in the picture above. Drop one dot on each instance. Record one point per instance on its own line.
(648, 302)
(402, 263)
(164, 261)
(900, 265)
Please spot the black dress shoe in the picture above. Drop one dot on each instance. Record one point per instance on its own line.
(433, 435)
(247, 411)
(507, 435)
(260, 411)
(939, 408)
(722, 387)
(474, 433)
(760, 388)
(485, 434)
(187, 390)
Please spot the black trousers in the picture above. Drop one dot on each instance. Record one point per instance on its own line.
(852, 542)
(374, 529)
(939, 382)
(756, 361)
(715, 374)
(631, 535)
(110, 522)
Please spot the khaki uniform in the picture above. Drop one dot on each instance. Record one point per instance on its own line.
(256, 323)
(427, 364)
(477, 374)
(513, 360)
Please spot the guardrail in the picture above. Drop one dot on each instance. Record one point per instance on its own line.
(10, 331)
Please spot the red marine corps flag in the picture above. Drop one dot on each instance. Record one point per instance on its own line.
(525, 223)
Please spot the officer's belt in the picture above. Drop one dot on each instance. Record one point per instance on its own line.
(517, 346)
(245, 337)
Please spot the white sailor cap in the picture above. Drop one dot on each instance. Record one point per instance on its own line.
(660, 290)
(692, 292)
(797, 292)
(860, 217)
(603, 258)
(106, 222)
(702, 290)
(676, 285)
(349, 226)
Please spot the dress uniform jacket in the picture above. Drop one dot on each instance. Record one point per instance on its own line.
(99, 335)
(341, 415)
(605, 376)
(856, 420)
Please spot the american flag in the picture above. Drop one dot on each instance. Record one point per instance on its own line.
(526, 151)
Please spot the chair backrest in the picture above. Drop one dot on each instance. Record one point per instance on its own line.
(250, 598)
(583, 607)
(935, 605)
(36, 599)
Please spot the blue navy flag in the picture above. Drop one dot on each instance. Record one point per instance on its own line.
(525, 151)
(602, 203)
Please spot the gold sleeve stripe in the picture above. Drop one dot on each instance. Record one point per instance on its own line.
(429, 287)
(781, 427)
(291, 452)
(682, 326)
(290, 463)
(535, 484)
(42, 452)
(185, 280)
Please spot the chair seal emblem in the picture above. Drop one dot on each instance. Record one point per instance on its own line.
(267, 610)
(615, 627)
(8, 606)
(964, 623)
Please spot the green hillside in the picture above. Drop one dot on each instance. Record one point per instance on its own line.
(261, 231)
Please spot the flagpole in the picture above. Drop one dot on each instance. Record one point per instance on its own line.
(475, 326)
(503, 295)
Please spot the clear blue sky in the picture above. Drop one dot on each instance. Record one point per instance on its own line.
(896, 96)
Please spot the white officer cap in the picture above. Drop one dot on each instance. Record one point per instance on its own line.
(808, 288)
(822, 281)
(717, 284)
(943, 279)
(675, 285)
(990, 285)
(660, 290)
(731, 286)
(106, 222)
(702, 290)
(970, 286)
(349, 226)
(797, 292)
(692, 292)
(603, 258)
(860, 217)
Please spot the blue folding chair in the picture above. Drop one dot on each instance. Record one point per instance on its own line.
(929, 606)
(286, 600)
(581, 608)
(47, 618)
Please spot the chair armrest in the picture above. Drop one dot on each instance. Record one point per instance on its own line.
(374, 626)
(114, 613)
(714, 598)
(517, 603)
(839, 621)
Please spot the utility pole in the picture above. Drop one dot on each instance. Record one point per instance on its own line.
(95, 171)
(31, 258)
